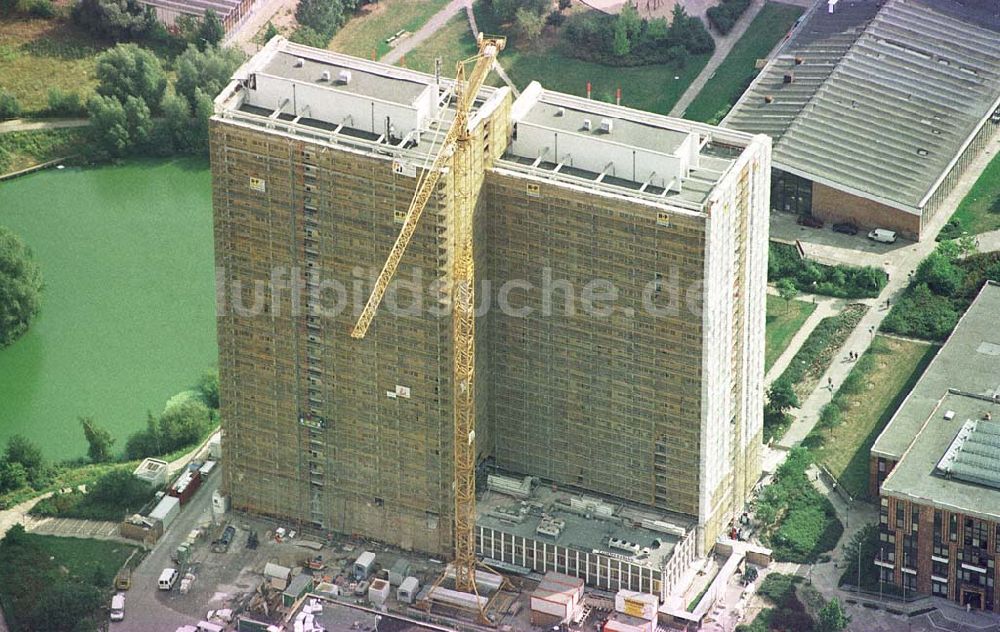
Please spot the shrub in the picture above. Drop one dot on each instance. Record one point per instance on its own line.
(41, 8)
(10, 107)
(179, 427)
(309, 37)
(118, 20)
(951, 230)
(555, 19)
(564, 4)
(841, 281)
(922, 314)
(65, 103)
(724, 15)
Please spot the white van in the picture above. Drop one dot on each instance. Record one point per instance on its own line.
(883, 235)
(168, 578)
(118, 607)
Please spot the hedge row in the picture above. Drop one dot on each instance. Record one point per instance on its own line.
(784, 262)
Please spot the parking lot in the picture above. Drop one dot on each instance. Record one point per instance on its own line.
(826, 246)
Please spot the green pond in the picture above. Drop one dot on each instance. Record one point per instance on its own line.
(128, 311)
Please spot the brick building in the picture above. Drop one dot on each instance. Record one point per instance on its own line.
(936, 469)
(315, 157)
(876, 108)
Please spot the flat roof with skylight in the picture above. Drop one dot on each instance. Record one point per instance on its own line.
(946, 435)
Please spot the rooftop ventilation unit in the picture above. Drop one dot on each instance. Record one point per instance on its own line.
(949, 415)
(788, 78)
(799, 61)
(299, 62)
(325, 76)
(768, 99)
(344, 77)
(607, 125)
(560, 111)
(587, 126)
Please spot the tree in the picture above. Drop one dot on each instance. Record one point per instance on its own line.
(940, 273)
(309, 37)
(787, 291)
(28, 455)
(529, 23)
(209, 70)
(323, 16)
(99, 441)
(65, 103)
(781, 396)
(211, 31)
(208, 386)
(184, 424)
(750, 574)
(119, 20)
(13, 476)
(621, 46)
(139, 121)
(270, 32)
(144, 442)
(108, 125)
(20, 287)
(129, 71)
(832, 617)
(10, 107)
(121, 488)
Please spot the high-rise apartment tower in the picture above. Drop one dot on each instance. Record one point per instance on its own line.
(621, 260)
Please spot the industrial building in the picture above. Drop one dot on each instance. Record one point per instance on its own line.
(648, 402)
(877, 107)
(936, 469)
(231, 12)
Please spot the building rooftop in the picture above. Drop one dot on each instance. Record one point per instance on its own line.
(948, 419)
(339, 615)
(358, 105)
(881, 96)
(585, 522)
(969, 361)
(615, 149)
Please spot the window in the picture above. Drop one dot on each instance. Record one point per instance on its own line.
(953, 528)
(909, 583)
(939, 589)
(909, 551)
(900, 515)
(940, 569)
(883, 513)
(914, 518)
(937, 525)
(975, 533)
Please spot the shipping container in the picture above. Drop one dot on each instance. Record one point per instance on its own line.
(206, 469)
(558, 604)
(407, 591)
(185, 486)
(378, 592)
(625, 623)
(166, 510)
(363, 565)
(637, 604)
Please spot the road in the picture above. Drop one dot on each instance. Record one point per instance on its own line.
(146, 607)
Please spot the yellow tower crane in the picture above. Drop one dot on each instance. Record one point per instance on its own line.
(454, 153)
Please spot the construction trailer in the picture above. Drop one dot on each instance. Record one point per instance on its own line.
(315, 159)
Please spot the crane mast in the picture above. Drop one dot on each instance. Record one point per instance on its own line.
(456, 153)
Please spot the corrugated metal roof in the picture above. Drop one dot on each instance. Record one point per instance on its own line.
(884, 97)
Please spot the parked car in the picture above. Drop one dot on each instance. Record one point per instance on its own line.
(168, 578)
(810, 221)
(846, 228)
(882, 235)
(118, 607)
(222, 544)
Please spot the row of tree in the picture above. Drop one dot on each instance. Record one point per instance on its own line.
(627, 39)
(134, 21)
(133, 91)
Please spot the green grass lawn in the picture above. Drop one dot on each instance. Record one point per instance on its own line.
(737, 70)
(652, 88)
(37, 54)
(128, 310)
(869, 397)
(979, 211)
(782, 323)
(366, 33)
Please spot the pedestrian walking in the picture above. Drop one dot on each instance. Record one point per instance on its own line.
(829, 382)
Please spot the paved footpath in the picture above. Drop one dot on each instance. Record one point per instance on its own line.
(825, 306)
(431, 27)
(29, 125)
